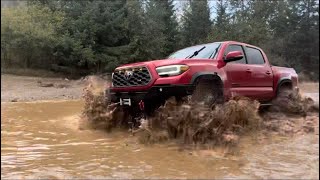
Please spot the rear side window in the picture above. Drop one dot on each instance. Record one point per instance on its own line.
(234, 47)
(254, 56)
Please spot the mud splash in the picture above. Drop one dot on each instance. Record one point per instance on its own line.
(191, 123)
(198, 124)
(292, 114)
(98, 113)
(195, 123)
(293, 103)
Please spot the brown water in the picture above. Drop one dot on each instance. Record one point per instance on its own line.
(42, 140)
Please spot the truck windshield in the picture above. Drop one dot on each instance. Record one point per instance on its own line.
(210, 51)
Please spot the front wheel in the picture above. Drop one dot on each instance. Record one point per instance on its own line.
(209, 92)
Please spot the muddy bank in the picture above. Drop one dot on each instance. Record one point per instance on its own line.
(25, 89)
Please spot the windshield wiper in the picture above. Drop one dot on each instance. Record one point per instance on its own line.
(195, 53)
(214, 52)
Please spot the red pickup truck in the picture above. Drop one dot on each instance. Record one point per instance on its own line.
(211, 73)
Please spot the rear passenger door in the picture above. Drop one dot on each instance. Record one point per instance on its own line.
(261, 77)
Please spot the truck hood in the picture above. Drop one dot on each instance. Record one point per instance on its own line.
(165, 62)
(156, 63)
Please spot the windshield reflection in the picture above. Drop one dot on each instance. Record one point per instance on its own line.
(209, 52)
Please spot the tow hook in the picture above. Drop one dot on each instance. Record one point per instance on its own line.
(141, 105)
(143, 115)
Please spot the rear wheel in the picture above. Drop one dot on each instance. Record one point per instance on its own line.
(287, 100)
(283, 93)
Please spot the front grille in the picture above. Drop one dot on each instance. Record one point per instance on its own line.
(137, 76)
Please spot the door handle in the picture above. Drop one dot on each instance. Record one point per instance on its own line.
(248, 70)
(268, 72)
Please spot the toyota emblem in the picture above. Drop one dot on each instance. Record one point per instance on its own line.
(128, 75)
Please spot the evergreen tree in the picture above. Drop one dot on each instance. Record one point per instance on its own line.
(97, 36)
(222, 28)
(196, 22)
(136, 31)
(161, 28)
(295, 38)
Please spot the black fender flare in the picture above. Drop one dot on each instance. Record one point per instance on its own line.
(282, 81)
(211, 74)
(201, 74)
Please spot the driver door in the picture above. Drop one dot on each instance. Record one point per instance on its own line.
(237, 73)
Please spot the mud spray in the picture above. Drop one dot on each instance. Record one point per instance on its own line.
(98, 113)
(195, 123)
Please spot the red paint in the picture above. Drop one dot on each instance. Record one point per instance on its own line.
(234, 54)
(258, 81)
(141, 105)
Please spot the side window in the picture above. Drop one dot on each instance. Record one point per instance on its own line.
(254, 56)
(234, 47)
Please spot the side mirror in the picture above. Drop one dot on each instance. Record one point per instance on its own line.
(233, 56)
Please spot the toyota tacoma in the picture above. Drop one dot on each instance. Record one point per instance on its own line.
(211, 73)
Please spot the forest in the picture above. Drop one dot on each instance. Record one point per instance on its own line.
(94, 36)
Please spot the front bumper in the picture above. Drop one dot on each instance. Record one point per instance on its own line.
(154, 94)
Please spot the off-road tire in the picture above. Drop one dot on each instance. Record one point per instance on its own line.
(208, 91)
(288, 101)
(283, 95)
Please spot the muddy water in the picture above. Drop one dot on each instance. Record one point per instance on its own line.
(314, 96)
(42, 140)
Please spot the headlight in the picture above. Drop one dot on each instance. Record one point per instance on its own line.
(171, 70)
